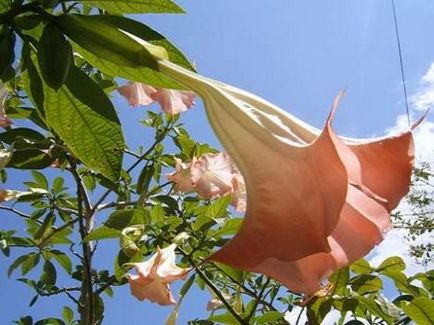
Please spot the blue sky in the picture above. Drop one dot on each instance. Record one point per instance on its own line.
(296, 54)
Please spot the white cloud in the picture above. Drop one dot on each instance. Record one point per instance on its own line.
(424, 97)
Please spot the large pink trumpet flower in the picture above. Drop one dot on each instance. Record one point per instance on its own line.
(315, 201)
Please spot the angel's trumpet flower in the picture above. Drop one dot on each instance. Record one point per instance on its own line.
(315, 201)
(154, 276)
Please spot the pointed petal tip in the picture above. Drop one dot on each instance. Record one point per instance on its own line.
(420, 120)
(334, 107)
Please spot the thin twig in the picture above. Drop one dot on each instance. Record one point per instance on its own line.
(214, 289)
(21, 214)
(255, 304)
(108, 283)
(299, 315)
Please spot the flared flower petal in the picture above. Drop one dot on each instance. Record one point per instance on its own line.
(211, 176)
(182, 176)
(172, 101)
(154, 276)
(316, 201)
(137, 93)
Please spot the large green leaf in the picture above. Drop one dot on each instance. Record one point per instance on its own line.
(374, 308)
(361, 267)
(402, 283)
(136, 6)
(121, 219)
(103, 232)
(421, 310)
(339, 280)
(394, 263)
(366, 283)
(86, 120)
(141, 74)
(102, 38)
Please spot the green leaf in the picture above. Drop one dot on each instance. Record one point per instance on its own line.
(7, 50)
(99, 309)
(61, 258)
(186, 286)
(122, 259)
(361, 267)
(317, 311)
(102, 38)
(33, 301)
(366, 283)
(427, 280)
(230, 227)
(227, 318)
(86, 121)
(157, 214)
(123, 218)
(58, 184)
(12, 135)
(393, 263)
(47, 223)
(142, 74)
(420, 310)
(374, 308)
(40, 179)
(30, 262)
(102, 232)
(136, 6)
(218, 208)
(49, 275)
(33, 86)
(340, 279)
(50, 321)
(68, 315)
(145, 179)
(269, 317)
(233, 273)
(54, 56)
(403, 285)
(16, 264)
(30, 159)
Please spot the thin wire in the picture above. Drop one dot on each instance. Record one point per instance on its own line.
(404, 86)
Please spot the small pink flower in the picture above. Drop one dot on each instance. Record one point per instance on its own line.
(211, 176)
(171, 101)
(154, 276)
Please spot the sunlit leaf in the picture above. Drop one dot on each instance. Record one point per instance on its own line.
(136, 6)
(87, 122)
(420, 310)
